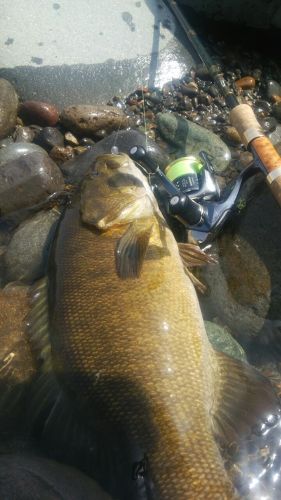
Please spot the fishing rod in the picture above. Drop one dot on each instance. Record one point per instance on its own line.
(242, 117)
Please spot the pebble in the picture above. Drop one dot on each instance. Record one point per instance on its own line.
(75, 169)
(276, 98)
(61, 154)
(276, 111)
(213, 91)
(27, 251)
(8, 107)
(86, 141)
(49, 137)
(202, 72)
(89, 119)
(23, 134)
(246, 83)
(268, 124)
(27, 181)
(16, 150)
(6, 142)
(71, 139)
(222, 341)
(273, 89)
(231, 135)
(38, 112)
(190, 138)
(190, 89)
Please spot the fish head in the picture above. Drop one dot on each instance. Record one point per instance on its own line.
(116, 193)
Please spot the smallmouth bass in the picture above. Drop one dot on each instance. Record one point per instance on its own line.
(128, 343)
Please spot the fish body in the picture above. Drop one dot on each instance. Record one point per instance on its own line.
(128, 340)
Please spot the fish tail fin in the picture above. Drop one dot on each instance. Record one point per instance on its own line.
(244, 400)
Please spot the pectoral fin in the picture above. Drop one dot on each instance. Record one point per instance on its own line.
(243, 399)
(131, 249)
(192, 256)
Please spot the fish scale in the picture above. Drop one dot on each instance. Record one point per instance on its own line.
(138, 339)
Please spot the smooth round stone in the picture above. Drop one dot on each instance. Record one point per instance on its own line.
(190, 138)
(17, 149)
(39, 113)
(231, 135)
(8, 107)
(190, 89)
(273, 88)
(223, 341)
(88, 119)
(246, 83)
(49, 137)
(6, 142)
(24, 134)
(276, 111)
(213, 91)
(26, 254)
(203, 73)
(86, 141)
(124, 140)
(71, 139)
(27, 181)
(268, 124)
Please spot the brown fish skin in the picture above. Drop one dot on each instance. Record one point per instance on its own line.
(136, 351)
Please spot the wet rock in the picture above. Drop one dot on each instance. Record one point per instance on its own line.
(26, 254)
(190, 138)
(276, 111)
(272, 88)
(27, 181)
(202, 72)
(6, 142)
(88, 119)
(16, 360)
(231, 135)
(71, 139)
(222, 340)
(38, 112)
(61, 154)
(86, 141)
(49, 137)
(18, 149)
(75, 169)
(44, 479)
(213, 91)
(244, 287)
(246, 158)
(246, 83)
(190, 89)
(8, 107)
(24, 134)
(268, 124)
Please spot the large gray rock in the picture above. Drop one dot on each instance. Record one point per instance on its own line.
(75, 169)
(25, 257)
(8, 107)
(245, 291)
(191, 138)
(16, 150)
(27, 181)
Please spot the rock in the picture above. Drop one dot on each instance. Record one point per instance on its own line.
(6, 142)
(62, 154)
(8, 107)
(202, 72)
(245, 291)
(71, 139)
(268, 124)
(75, 169)
(24, 134)
(276, 111)
(246, 158)
(190, 89)
(86, 141)
(17, 362)
(88, 119)
(27, 181)
(231, 135)
(276, 98)
(26, 254)
(246, 83)
(191, 138)
(44, 479)
(223, 341)
(39, 113)
(16, 150)
(49, 137)
(272, 89)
